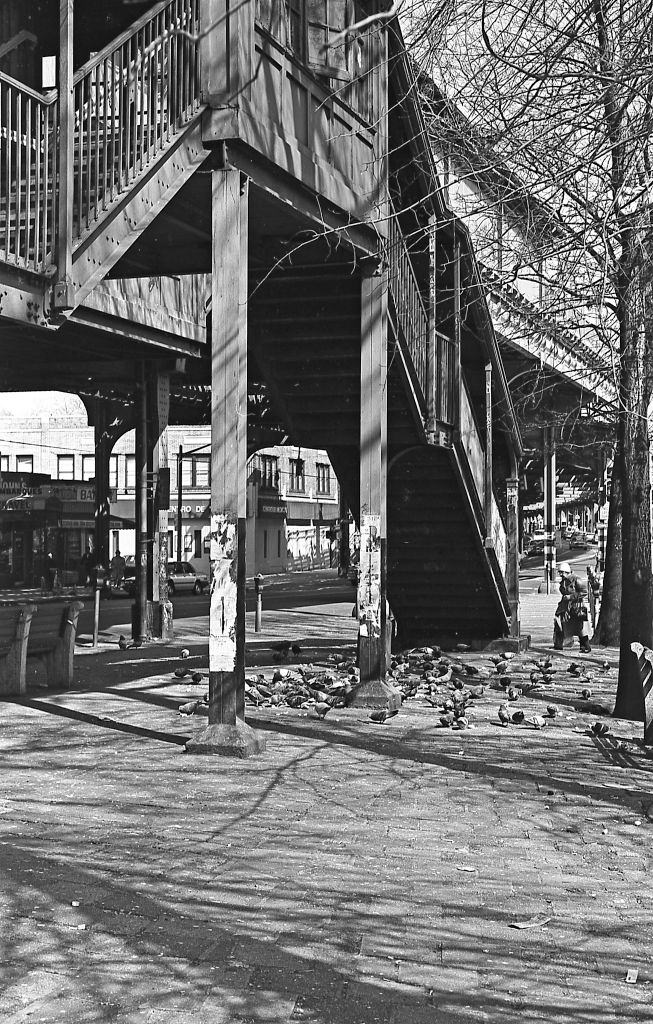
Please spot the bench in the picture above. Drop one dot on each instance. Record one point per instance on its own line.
(45, 631)
(15, 621)
(644, 656)
(52, 639)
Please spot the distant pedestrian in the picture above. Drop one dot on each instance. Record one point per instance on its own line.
(572, 614)
(117, 569)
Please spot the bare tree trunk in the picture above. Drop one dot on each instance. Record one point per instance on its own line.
(609, 621)
(637, 588)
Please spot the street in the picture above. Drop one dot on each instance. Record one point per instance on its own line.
(291, 590)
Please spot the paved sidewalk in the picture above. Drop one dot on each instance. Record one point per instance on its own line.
(352, 874)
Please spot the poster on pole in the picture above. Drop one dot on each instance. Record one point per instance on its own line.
(369, 586)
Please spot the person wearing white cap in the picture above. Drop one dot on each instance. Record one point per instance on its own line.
(572, 614)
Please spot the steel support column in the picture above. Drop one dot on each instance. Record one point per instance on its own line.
(512, 568)
(549, 507)
(372, 690)
(139, 613)
(103, 446)
(227, 732)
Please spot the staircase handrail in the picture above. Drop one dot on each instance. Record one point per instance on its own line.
(94, 62)
(130, 101)
(403, 282)
(46, 98)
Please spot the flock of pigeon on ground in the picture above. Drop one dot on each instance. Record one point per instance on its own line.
(424, 676)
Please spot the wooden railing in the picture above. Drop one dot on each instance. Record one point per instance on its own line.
(130, 99)
(28, 170)
(414, 323)
(446, 378)
(409, 304)
(471, 442)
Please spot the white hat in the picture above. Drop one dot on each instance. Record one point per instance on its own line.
(564, 567)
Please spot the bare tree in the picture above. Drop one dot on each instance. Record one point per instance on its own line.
(561, 91)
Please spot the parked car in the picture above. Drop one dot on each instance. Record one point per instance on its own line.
(578, 539)
(183, 577)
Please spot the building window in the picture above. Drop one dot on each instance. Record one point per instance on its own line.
(113, 471)
(115, 542)
(297, 477)
(4, 463)
(323, 478)
(202, 471)
(269, 471)
(88, 467)
(24, 463)
(65, 467)
(265, 543)
(197, 540)
(196, 472)
(130, 472)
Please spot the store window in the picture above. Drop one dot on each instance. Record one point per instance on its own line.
(297, 477)
(24, 463)
(4, 463)
(323, 478)
(197, 544)
(130, 472)
(88, 467)
(265, 543)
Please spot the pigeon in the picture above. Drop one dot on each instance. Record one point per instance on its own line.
(471, 670)
(573, 668)
(447, 720)
(462, 648)
(190, 708)
(138, 642)
(296, 649)
(181, 672)
(600, 728)
(381, 715)
(551, 710)
(513, 693)
(535, 677)
(122, 643)
(508, 655)
(462, 723)
(504, 714)
(322, 708)
(197, 677)
(518, 716)
(537, 721)
(458, 683)
(476, 692)
(586, 693)
(606, 666)
(185, 653)
(501, 667)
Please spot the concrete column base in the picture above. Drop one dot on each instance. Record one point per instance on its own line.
(160, 620)
(375, 694)
(227, 740)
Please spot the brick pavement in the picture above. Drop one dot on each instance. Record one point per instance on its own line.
(352, 874)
